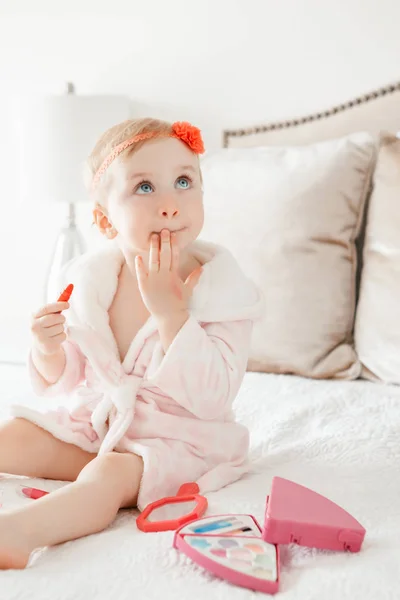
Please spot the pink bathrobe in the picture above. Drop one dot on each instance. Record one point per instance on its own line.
(174, 409)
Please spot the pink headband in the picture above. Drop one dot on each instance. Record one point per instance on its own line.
(181, 130)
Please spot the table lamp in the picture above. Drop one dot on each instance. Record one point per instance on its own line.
(63, 130)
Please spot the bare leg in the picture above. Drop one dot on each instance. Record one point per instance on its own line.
(26, 449)
(89, 505)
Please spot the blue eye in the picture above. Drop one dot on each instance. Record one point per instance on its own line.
(183, 183)
(144, 188)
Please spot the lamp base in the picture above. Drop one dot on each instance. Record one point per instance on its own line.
(69, 244)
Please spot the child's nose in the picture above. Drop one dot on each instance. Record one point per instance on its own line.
(168, 207)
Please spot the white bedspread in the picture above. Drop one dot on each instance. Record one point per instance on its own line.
(340, 439)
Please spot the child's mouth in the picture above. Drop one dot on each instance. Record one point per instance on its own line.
(171, 230)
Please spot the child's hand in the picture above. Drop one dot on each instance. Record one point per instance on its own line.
(47, 328)
(162, 290)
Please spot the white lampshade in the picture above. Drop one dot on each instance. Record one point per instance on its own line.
(56, 134)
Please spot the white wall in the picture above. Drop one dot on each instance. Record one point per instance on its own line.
(218, 63)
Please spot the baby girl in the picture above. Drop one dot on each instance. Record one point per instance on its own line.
(147, 356)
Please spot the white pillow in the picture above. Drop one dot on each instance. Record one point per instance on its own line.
(290, 216)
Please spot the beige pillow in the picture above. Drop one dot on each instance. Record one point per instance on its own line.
(290, 216)
(377, 332)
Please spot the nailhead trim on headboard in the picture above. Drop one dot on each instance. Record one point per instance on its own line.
(307, 119)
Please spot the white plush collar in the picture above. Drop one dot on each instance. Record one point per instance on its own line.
(223, 292)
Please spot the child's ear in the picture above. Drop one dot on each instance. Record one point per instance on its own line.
(103, 223)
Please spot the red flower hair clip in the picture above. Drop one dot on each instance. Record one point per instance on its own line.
(189, 134)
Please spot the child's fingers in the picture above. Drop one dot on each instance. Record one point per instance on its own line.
(174, 253)
(42, 332)
(48, 344)
(54, 331)
(53, 344)
(141, 272)
(49, 309)
(165, 253)
(51, 320)
(154, 256)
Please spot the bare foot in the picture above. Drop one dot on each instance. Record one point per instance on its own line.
(14, 546)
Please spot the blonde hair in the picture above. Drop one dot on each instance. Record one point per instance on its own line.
(113, 137)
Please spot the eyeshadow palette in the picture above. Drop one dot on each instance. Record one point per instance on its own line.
(235, 547)
(246, 555)
(231, 547)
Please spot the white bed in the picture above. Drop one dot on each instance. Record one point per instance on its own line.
(340, 439)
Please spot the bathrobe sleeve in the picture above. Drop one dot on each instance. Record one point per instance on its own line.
(204, 366)
(73, 374)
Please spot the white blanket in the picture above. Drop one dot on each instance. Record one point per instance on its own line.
(340, 439)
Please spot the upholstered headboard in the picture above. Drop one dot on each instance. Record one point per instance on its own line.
(374, 112)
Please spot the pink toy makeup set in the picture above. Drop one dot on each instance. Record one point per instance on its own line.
(236, 548)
